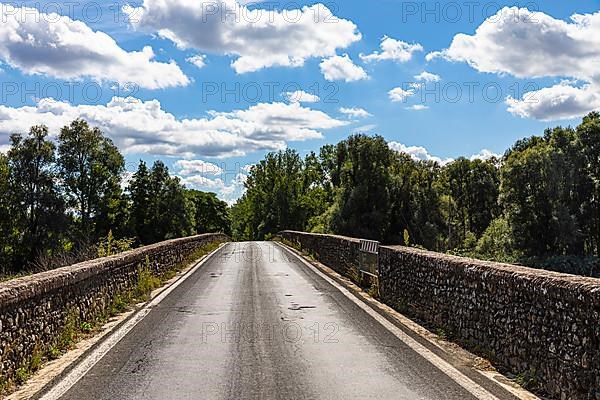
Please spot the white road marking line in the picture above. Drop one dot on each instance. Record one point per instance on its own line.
(92, 359)
(457, 376)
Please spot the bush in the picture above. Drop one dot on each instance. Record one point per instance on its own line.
(496, 243)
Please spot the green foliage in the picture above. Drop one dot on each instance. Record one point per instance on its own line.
(54, 353)
(37, 209)
(110, 246)
(86, 327)
(537, 205)
(90, 169)
(160, 209)
(496, 243)
(146, 283)
(63, 203)
(441, 333)
(364, 200)
(528, 379)
(119, 304)
(282, 193)
(472, 186)
(21, 375)
(68, 335)
(210, 214)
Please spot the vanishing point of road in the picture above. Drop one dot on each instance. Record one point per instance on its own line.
(254, 322)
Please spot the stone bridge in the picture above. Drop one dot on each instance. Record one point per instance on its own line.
(256, 320)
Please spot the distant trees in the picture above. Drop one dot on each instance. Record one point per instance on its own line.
(58, 197)
(160, 209)
(549, 191)
(209, 213)
(278, 195)
(36, 206)
(471, 187)
(90, 167)
(540, 200)
(363, 198)
(538, 203)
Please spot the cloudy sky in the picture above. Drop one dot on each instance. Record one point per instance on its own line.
(211, 86)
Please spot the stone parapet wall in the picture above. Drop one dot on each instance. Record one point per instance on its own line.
(34, 309)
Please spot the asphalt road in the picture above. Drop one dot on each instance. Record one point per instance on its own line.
(254, 323)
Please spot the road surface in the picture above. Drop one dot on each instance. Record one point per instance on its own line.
(255, 323)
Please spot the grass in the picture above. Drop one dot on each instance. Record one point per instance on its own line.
(53, 353)
(86, 327)
(373, 290)
(68, 335)
(21, 375)
(527, 379)
(146, 283)
(441, 333)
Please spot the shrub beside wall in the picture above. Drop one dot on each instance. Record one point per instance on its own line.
(542, 326)
(35, 310)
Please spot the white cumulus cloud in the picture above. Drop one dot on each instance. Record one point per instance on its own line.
(191, 167)
(428, 77)
(300, 96)
(528, 44)
(355, 112)
(364, 129)
(139, 126)
(398, 94)
(257, 37)
(417, 107)
(418, 153)
(59, 47)
(338, 68)
(561, 101)
(485, 155)
(394, 50)
(198, 60)
(228, 192)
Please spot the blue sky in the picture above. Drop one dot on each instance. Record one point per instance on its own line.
(208, 93)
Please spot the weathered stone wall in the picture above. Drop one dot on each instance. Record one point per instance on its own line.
(542, 323)
(34, 309)
(340, 253)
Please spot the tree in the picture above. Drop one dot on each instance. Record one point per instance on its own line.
(39, 211)
(364, 196)
(472, 187)
(588, 137)
(139, 196)
(159, 209)
(6, 226)
(541, 190)
(90, 167)
(210, 214)
(275, 198)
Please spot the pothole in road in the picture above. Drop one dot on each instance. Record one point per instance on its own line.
(215, 274)
(296, 307)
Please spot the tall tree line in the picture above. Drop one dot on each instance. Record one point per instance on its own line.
(65, 195)
(539, 201)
